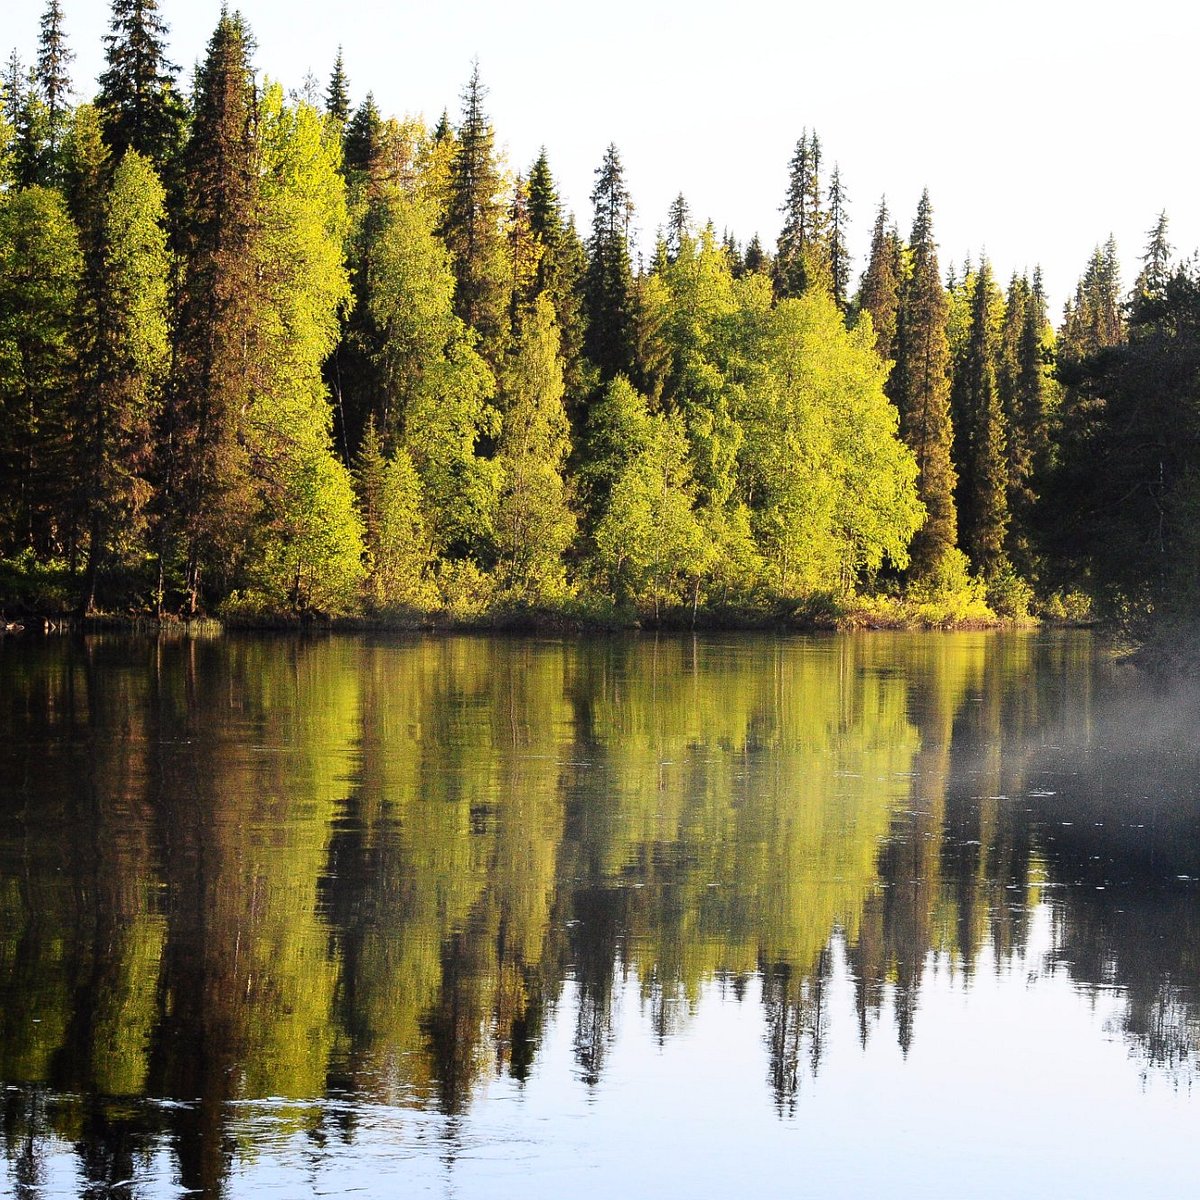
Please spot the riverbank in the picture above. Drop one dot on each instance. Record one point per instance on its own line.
(823, 614)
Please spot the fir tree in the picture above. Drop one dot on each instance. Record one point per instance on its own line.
(137, 90)
(337, 97)
(879, 292)
(608, 286)
(920, 387)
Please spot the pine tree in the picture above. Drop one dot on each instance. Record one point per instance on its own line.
(879, 292)
(983, 467)
(802, 258)
(920, 387)
(206, 473)
(839, 255)
(137, 98)
(472, 225)
(608, 285)
(337, 97)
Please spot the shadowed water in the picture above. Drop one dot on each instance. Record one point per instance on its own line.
(881, 914)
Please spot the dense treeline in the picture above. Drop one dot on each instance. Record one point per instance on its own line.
(272, 353)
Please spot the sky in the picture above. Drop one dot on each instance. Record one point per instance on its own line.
(1038, 126)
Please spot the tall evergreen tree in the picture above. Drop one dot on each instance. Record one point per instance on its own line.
(53, 79)
(839, 255)
(802, 258)
(920, 387)
(337, 97)
(1150, 288)
(679, 225)
(472, 225)
(137, 96)
(757, 261)
(608, 286)
(879, 292)
(1093, 319)
(561, 266)
(206, 475)
(983, 468)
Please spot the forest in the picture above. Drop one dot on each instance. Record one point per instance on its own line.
(269, 354)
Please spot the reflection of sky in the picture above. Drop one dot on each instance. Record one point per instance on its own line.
(1016, 1085)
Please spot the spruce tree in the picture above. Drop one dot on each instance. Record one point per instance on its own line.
(802, 259)
(983, 468)
(920, 387)
(757, 261)
(679, 224)
(561, 266)
(337, 97)
(879, 292)
(1093, 319)
(53, 84)
(839, 255)
(206, 473)
(472, 225)
(608, 286)
(1150, 288)
(137, 96)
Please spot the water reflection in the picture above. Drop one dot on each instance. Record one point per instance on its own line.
(238, 876)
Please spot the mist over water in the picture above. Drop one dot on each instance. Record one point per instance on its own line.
(480, 916)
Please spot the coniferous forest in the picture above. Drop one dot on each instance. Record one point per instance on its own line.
(267, 354)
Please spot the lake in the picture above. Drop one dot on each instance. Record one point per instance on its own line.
(866, 915)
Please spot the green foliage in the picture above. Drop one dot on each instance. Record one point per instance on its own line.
(649, 540)
(395, 534)
(608, 284)
(137, 99)
(920, 387)
(534, 522)
(40, 269)
(832, 485)
(132, 354)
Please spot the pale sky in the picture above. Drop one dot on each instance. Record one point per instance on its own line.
(1039, 126)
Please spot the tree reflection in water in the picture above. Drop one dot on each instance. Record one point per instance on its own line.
(250, 871)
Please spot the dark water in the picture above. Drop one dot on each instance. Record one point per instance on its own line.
(858, 916)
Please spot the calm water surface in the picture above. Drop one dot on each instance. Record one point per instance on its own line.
(857, 916)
